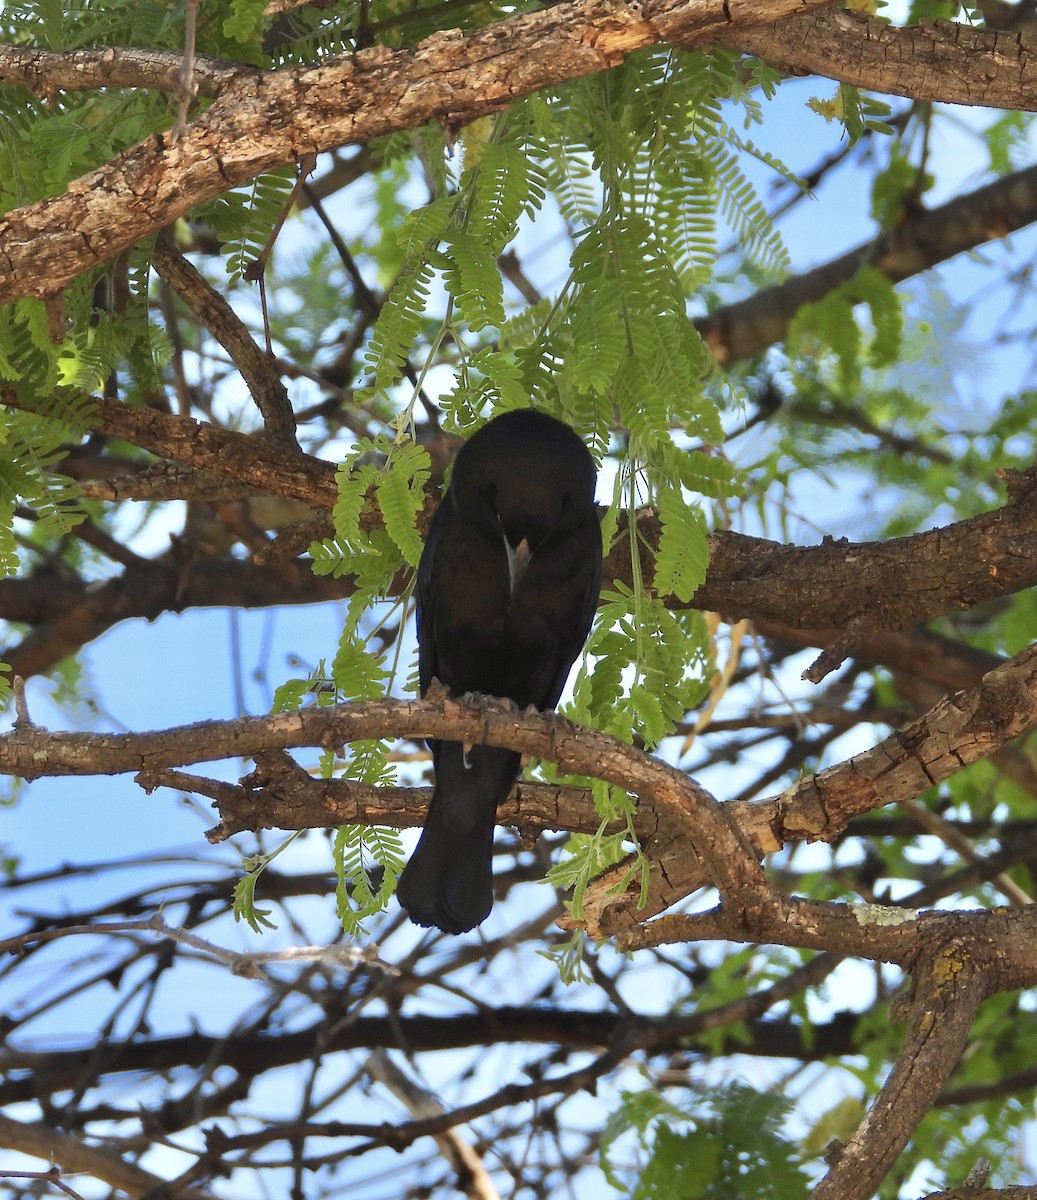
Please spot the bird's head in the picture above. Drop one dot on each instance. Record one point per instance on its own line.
(523, 477)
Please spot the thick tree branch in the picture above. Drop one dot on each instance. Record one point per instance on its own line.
(879, 932)
(923, 61)
(938, 61)
(278, 470)
(859, 588)
(841, 44)
(46, 72)
(688, 815)
(793, 592)
(834, 585)
(42, 1140)
(454, 77)
(280, 795)
(684, 834)
(947, 991)
(981, 1193)
(30, 1075)
(68, 613)
(265, 119)
(959, 730)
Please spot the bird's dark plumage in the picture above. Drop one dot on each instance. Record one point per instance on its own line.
(507, 588)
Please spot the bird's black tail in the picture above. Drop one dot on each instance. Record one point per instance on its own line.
(448, 882)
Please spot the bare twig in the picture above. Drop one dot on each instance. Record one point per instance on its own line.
(472, 1176)
(250, 965)
(41, 1140)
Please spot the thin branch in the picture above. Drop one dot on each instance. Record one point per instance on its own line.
(53, 1177)
(398, 1137)
(43, 1141)
(249, 965)
(472, 1176)
(939, 826)
(257, 367)
(925, 238)
(65, 614)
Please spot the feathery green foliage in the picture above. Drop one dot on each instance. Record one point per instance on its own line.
(681, 565)
(368, 860)
(687, 1146)
(831, 324)
(395, 474)
(244, 218)
(859, 113)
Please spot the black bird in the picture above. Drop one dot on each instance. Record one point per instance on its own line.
(507, 587)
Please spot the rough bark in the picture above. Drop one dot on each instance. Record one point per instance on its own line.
(261, 120)
(265, 119)
(934, 60)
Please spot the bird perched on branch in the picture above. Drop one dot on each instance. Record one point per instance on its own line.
(507, 587)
